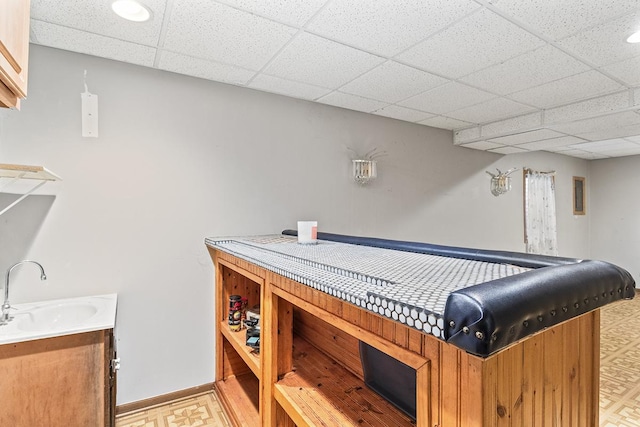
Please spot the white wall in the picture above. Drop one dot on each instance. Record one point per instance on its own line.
(614, 210)
(179, 159)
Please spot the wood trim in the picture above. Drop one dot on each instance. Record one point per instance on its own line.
(127, 408)
(405, 356)
(579, 200)
(10, 59)
(241, 271)
(8, 99)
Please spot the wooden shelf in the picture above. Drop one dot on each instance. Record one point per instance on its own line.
(27, 172)
(241, 399)
(321, 392)
(237, 340)
(15, 173)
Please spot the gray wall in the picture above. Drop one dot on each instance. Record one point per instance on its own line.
(614, 210)
(179, 159)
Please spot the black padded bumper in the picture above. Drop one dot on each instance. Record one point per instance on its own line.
(483, 318)
(502, 257)
(486, 317)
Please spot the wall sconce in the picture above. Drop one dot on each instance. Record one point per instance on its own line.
(500, 182)
(364, 171)
(365, 167)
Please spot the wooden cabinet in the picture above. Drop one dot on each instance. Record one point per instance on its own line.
(63, 381)
(309, 373)
(14, 51)
(238, 367)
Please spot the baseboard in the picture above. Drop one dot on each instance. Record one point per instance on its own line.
(162, 399)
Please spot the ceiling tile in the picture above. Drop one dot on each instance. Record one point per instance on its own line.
(524, 71)
(352, 102)
(476, 42)
(287, 87)
(508, 150)
(292, 12)
(202, 68)
(562, 149)
(520, 138)
(98, 18)
(386, 27)
(91, 44)
(445, 123)
(482, 145)
(628, 70)
(616, 132)
(214, 31)
(595, 106)
(606, 44)
(577, 153)
(587, 155)
(465, 135)
(448, 97)
(635, 138)
(402, 113)
(392, 82)
(623, 152)
(514, 124)
(611, 121)
(561, 18)
(608, 144)
(566, 90)
(488, 111)
(553, 144)
(314, 60)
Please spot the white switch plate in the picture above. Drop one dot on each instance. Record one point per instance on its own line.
(89, 115)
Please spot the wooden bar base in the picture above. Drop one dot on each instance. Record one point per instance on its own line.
(548, 379)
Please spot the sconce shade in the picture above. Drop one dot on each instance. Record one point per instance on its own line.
(364, 171)
(500, 182)
(500, 185)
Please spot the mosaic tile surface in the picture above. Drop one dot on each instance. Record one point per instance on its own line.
(407, 287)
(201, 410)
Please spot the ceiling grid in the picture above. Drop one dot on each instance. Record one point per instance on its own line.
(504, 75)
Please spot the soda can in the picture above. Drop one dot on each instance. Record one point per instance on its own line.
(235, 312)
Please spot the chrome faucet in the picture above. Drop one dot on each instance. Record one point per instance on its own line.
(6, 306)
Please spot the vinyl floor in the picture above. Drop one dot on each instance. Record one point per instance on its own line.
(200, 410)
(619, 381)
(620, 364)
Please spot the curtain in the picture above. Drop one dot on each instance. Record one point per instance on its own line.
(540, 213)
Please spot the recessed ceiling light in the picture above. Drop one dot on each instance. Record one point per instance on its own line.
(131, 10)
(634, 38)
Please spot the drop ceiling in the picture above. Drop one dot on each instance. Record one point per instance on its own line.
(506, 76)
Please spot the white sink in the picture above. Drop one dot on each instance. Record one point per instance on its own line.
(47, 319)
(57, 316)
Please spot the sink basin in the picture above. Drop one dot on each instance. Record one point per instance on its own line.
(57, 316)
(46, 319)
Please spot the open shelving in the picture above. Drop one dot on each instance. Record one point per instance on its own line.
(10, 173)
(319, 391)
(238, 367)
(237, 341)
(308, 371)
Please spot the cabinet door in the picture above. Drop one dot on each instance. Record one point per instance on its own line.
(14, 50)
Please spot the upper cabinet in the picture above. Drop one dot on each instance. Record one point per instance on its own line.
(14, 51)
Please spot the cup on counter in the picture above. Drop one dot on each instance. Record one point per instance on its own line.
(308, 232)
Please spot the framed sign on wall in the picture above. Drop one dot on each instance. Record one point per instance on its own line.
(579, 196)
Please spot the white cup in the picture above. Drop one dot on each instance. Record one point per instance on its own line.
(308, 232)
